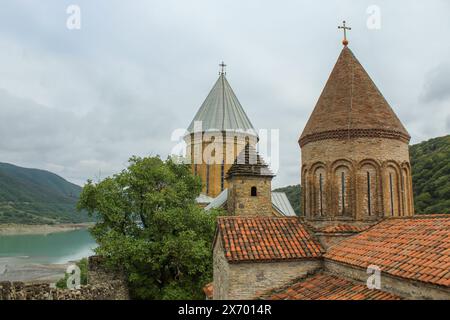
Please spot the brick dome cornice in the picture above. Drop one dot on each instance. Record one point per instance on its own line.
(353, 134)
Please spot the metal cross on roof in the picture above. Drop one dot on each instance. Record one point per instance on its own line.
(222, 68)
(345, 28)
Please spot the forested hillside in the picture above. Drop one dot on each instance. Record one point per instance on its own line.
(430, 162)
(31, 196)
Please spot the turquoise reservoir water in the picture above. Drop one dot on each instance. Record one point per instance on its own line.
(47, 249)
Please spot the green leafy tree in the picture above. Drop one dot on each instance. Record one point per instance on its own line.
(150, 225)
(430, 162)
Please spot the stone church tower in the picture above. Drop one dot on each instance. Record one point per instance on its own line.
(355, 157)
(249, 185)
(216, 135)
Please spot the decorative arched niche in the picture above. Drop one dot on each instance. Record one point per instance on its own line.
(342, 188)
(392, 185)
(319, 184)
(306, 186)
(369, 186)
(406, 189)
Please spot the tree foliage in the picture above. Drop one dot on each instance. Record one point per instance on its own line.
(150, 225)
(430, 162)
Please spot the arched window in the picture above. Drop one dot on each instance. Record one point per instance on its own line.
(253, 192)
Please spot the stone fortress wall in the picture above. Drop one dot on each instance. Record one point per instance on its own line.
(103, 284)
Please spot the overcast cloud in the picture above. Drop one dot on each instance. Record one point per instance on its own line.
(81, 102)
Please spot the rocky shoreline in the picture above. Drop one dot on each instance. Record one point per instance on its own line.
(21, 229)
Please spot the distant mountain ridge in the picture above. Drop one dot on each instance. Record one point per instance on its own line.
(430, 161)
(33, 196)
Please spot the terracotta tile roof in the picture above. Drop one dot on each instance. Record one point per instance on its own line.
(247, 239)
(324, 286)
(342, 228)
(209, 290)
(417, 248)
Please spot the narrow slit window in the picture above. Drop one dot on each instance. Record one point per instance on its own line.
(392, 193)
(320, 195)
(195, 170)
(343, 192)
(369, 195)
(254, 192)
(305, 199)
(403, 194)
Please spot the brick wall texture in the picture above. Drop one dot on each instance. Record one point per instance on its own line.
(356, 179)
(240, 201)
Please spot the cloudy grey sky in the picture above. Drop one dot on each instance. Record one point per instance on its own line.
(81, 102)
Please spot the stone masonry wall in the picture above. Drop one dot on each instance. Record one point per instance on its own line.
(102, 285)
(221, 272)
(247, 280)
(377, 167)
(405, 288)
(240, 201)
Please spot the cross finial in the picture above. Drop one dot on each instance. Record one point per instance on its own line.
(222, 66)
(345, 28)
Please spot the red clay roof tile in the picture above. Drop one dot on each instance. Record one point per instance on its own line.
(266, 239)
(416, 248)
(325, 286)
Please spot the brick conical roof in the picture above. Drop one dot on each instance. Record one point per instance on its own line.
(249, 163)
(351, 106)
